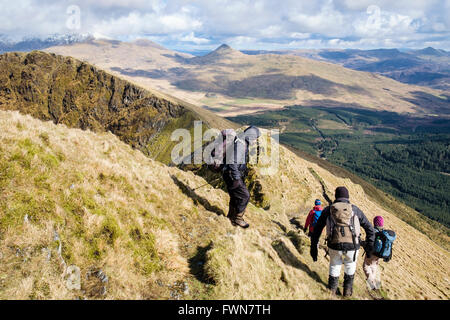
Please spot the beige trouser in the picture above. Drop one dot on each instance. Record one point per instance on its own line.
(339, 258)
(370, 267)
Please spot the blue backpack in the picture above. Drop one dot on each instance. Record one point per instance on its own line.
(383, 244)
(316, 217)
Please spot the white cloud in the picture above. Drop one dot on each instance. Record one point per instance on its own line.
(272, 31)
(299, 35)
(327, 20)
(261, 23)
(241, 42)
(150, 23)
(192, 38)
(380, 24)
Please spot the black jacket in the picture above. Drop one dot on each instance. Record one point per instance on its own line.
(363, 221)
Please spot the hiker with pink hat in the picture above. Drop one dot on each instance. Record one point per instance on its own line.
(382, 249)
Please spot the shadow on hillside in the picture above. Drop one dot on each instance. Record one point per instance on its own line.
(290, 259)
(197, 262)
(282, 227)
(297, 223)
(430, 102)
(188, 191)
(267, 86)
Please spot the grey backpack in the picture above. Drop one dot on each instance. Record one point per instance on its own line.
(217, 159)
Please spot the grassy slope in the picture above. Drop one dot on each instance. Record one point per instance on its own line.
(113, 208)
(141, 224)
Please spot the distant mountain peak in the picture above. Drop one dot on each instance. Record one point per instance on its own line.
(142, 42)
(36, 43)
(223, 47)
(225, 50)
(430, 51)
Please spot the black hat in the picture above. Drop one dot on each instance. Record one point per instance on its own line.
(341, 192)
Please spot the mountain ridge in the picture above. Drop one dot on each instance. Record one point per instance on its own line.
(97, 208)
(37, 43)
(426, 67)
(132, 227)
(235, 83)
(135, 136)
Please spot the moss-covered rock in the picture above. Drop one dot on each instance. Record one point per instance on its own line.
(65, 90)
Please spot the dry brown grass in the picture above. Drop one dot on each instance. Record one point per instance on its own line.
(101, 193)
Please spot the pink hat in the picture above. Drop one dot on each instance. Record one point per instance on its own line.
(378, 221)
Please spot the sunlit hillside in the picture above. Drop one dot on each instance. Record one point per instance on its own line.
(135, 228)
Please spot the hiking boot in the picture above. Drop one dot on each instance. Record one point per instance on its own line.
(348, 285)
(370, 284)
(333, 284)
(238, 220)
(231, 213)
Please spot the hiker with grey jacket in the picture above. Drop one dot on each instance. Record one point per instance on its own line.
(343, 222)
(234, 172)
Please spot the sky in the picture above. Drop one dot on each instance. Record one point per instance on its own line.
(244, 24)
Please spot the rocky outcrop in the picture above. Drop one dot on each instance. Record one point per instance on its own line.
(77, 94)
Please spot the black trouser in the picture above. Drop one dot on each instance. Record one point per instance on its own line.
(239, 196)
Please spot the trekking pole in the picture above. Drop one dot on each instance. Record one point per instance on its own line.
(327, 254)
(204, 185)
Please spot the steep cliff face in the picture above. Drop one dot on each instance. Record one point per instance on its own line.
(68, 91)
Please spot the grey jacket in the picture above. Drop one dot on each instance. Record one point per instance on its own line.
(236, 160)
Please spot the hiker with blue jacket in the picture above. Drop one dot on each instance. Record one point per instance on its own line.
(343, 222)
(313, 217)
(234, 172)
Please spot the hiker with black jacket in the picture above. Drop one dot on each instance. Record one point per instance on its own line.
(234, 172)
(343, 221)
